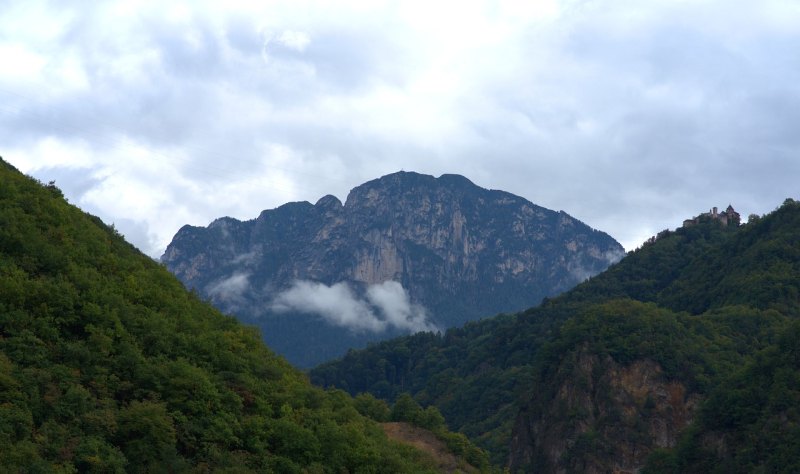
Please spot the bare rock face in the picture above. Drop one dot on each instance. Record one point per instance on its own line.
(459, 251)
(603, 417)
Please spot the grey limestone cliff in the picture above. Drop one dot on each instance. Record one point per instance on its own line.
(459, 251)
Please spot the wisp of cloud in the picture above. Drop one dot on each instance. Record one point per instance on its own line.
(385, 305)
(230, 290)
(395, 305)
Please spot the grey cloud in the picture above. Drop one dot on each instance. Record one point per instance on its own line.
(73, 181)
(230, 290)
(581, 273)
(249, 258)
(193, 53)
(243, 35)
(654, 159)
(134, 231)
(348, 60)
(613, 256)
(629, 117)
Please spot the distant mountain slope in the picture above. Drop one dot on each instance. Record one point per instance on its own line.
(107, 364)
(406, 252)
(661, 354)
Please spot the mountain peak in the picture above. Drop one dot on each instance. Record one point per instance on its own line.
(444, 249)
(329, 201)
(223, 222)
(405, 183)
(456, 179)
(414, 178)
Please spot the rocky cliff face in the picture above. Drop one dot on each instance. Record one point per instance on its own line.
(601, 417)
(459, 251)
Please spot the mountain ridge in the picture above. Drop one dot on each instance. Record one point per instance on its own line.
(457, 251)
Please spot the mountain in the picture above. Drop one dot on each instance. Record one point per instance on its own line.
(107, 364)
(682, 357)
(404, 253)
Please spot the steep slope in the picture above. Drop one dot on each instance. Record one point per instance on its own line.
(750, 423)
(426, 441)
(107, 364)
(455, 252)
(619, 367)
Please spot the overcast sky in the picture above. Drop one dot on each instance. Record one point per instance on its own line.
(628, 115)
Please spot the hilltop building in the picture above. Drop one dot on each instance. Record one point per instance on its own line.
(729, 217)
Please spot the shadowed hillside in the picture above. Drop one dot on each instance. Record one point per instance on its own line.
(107, 364)
(660, 355)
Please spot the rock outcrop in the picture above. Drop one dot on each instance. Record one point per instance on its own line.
(458, 250)
(600, 417)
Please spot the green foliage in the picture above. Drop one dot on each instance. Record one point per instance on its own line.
(702, 301)
(753, 417)
(473, 375)
(146, 434)
(107, 364)
(406, 409)
(371, 407)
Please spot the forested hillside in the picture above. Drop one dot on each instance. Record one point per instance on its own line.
(107, 364)
(679, 351)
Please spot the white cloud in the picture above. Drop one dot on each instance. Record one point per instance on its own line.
(337, 304)
(395, 305)
(27, 64)
(387, 305)
(296, 40)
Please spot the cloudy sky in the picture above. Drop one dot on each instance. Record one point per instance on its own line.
(628, 115)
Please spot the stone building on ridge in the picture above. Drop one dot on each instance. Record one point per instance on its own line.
(729, 217)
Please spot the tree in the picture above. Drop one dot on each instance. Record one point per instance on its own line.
(147, 437)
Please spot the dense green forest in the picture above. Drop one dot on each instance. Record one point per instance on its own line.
(713, 306)
(107, 364)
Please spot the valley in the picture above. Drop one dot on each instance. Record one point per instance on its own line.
(681, 357)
